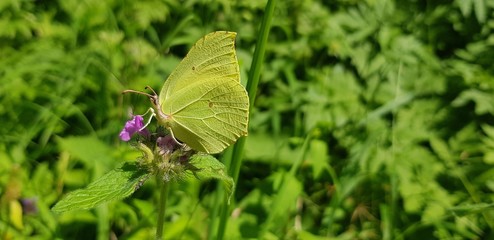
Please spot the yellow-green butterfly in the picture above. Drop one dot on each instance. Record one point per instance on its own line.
(202, 102)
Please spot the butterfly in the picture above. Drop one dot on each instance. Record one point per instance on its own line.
(202, 103)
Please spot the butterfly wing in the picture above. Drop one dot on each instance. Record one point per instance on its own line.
(210, 115)
(212, 56)
(206, 104)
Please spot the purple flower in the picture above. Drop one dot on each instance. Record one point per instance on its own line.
(133, 126)
(30, 205)
(166, 144)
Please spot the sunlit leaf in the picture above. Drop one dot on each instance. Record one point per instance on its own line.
(116, 184)
(209, 167)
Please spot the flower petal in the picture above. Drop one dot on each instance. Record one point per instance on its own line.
(124, 135)
(131, 127)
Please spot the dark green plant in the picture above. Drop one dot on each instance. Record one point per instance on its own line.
(381, 108)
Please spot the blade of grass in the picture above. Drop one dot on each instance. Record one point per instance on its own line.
(234, 163)
(254, 76)
(393, 205)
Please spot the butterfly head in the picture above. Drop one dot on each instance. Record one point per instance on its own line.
(155, 102)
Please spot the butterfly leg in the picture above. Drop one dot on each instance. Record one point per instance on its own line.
(153, 114)
(176, 141)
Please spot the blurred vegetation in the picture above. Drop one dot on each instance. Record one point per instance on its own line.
(393, 100)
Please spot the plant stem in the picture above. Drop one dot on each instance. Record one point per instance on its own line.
(103, 222)
(161, 208)
(254, 75)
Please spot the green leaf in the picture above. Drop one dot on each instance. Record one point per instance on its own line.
(480, 10)
(465, 7)
(471, 208)
(441, 149)
(483, 101)
(116, 184)
(304, 235)
(210, 168)
(284, 202)
(89, 149)
(318, 157)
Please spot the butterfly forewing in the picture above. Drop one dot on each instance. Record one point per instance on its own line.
(214, 54)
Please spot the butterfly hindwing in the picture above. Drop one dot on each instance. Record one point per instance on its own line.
(212, 120)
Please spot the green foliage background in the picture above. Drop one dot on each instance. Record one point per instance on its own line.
(393, 100)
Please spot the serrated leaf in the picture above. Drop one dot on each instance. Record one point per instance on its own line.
(210, 168)
(483, 101)
(441, 149)
(116, 184)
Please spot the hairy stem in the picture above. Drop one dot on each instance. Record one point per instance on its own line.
(161, 208)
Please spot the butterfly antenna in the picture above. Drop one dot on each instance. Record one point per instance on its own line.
(138, 92)
(152, 90)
